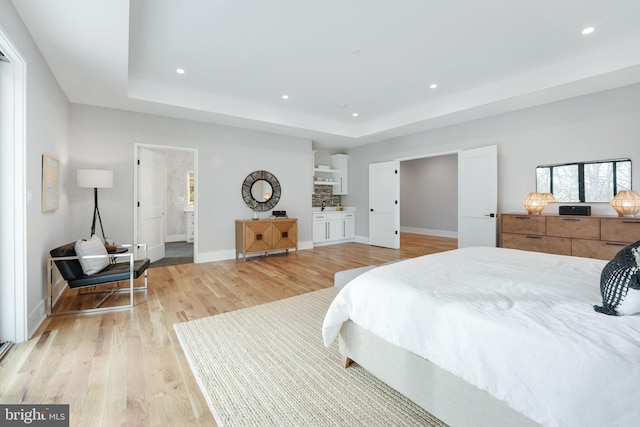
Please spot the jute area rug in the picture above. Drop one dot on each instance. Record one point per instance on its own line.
(266, 366)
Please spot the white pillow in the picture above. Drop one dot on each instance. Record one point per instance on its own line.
(93, 246)
(631, 304)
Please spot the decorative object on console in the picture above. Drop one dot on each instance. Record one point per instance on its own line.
(575, 210)
(626, 203)
(534, 203)
(261, 191)
(95, 178)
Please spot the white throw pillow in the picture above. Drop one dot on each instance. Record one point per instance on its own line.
(93, 246)
(631, 304)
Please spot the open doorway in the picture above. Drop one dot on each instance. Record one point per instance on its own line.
(166, 201)
(429, 196)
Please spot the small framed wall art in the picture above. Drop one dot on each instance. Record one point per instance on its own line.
(50, 183)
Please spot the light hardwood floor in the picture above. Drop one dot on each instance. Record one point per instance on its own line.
(126, 368)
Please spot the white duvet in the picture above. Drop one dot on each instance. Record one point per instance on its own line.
(517, 324)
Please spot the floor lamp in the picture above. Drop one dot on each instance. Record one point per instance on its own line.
(95, 178)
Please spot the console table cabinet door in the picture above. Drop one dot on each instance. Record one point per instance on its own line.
(258, 236)
(285, 234)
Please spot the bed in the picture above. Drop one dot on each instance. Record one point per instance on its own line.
(493, 336)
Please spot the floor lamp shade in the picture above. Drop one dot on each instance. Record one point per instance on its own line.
(94, 178)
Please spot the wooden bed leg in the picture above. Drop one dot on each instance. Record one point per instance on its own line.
(345, 361)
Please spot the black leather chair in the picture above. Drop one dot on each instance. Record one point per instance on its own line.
(68, 264)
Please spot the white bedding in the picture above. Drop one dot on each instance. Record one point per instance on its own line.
(517, 324)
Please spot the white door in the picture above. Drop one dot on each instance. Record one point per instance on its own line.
(151, 193)
(477, 196)
(384, 204)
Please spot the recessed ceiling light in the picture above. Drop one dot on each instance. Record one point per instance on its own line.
(588, 30)
(355, 114)
(433, 86)
(180, 71)
(285, 96)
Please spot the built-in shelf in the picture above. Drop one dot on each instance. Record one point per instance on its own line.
(326, 183)
(337, 174)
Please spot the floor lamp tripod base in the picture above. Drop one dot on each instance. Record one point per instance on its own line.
(96, 214)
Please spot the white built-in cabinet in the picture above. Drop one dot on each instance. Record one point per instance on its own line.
(336, 174)
(333, 227)
(190, 226)
(341, 164)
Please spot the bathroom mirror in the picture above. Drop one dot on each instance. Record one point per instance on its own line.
(589, 182)
(262, 190)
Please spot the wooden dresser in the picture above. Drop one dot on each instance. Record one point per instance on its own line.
(266, 235)
(586, 236)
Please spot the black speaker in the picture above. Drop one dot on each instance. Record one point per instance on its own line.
(575, 210)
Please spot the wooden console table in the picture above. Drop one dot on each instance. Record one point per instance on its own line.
(265, 235)
(586, 236)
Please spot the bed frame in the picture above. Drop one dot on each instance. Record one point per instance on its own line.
(450, 398)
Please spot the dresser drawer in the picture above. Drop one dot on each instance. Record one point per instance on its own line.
(572, 226)
(595, 248)
(620, 229)
(523, 224)
(536, 243)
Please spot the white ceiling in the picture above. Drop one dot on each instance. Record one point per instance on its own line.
(376, 56)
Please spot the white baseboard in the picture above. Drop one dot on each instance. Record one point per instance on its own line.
(37, 316)
(362, 239)
(430, 232)
(333, 242)
(176, 238)
(231, 254)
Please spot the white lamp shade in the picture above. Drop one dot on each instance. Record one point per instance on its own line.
(95, 178)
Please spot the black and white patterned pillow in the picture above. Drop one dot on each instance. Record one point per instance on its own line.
(620, 283)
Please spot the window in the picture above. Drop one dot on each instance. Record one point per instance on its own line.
(589, 182)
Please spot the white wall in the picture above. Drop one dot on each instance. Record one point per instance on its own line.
(47, 112)
(429, 195)
(105, 138)
(592, 127)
